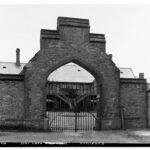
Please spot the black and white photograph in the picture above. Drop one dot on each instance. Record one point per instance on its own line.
(74, 74)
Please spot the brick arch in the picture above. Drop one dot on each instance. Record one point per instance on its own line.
(38, 70)
(92, 70)
(82, 63)
(72, 44)
(101, 68)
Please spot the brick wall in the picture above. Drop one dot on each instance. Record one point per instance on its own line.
(11, 98)
(148, 103)
(133, 102)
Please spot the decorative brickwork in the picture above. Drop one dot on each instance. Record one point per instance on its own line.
(73, 44)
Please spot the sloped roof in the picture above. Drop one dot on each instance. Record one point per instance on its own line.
(71, 73)
(74, 72)
(126, 73)
(10, 68)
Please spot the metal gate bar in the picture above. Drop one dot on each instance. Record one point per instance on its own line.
(71, 106)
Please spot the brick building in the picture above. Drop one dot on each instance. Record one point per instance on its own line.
(23, 87)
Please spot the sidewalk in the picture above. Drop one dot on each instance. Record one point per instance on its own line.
(119, 136)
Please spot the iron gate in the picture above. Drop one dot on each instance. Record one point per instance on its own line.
(71, 106)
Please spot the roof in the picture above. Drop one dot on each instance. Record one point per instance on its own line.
(74, 72)
(126, 73)
(10, 68)
(71, 73)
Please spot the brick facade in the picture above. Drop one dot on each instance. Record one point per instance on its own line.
(73, 42)
(133, 102)
(11, 97)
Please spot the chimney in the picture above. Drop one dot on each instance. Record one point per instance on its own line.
(17, 57)
(141, 75)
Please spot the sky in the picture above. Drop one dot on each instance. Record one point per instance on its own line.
(126, 28)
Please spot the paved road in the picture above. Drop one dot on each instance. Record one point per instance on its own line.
(128, 136)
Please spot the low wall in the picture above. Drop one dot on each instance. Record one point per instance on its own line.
(12, 105)
(133, 102)
(11, 97)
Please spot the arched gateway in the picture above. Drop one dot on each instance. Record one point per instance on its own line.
(73, 42)
(32, 99)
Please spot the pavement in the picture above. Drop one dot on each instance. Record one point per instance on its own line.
(114, 136)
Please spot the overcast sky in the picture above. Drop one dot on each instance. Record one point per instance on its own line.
(126, 28)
